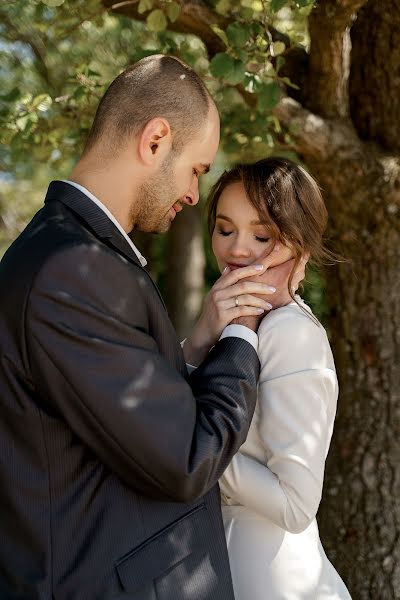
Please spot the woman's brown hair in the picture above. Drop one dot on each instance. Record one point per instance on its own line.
(288, 200)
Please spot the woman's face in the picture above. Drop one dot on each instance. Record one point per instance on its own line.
(239, 237)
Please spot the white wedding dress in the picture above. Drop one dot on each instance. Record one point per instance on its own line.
(273, 486)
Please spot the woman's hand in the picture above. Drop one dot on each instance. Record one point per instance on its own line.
(230, 298)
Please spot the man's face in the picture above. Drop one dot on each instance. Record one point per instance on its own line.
(177, 181)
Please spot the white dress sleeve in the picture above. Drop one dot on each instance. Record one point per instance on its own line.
(297, 404)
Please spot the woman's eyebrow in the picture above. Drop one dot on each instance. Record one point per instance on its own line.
(225, 218)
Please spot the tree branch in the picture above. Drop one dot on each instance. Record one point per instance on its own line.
(195, 18)
(319, 139)
(329, 65)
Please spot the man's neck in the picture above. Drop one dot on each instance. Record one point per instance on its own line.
(108, 186)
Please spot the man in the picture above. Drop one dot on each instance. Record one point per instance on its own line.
(110, 452)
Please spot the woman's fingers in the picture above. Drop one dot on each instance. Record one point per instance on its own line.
(241, 293)
(246, 287)
(245, 300)
(229, 277)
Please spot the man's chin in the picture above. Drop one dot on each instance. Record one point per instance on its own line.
(162, 227)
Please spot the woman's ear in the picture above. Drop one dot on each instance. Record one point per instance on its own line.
(155, 142)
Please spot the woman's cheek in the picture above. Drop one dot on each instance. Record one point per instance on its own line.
(217, 250)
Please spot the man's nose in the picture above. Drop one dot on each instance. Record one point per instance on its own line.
(191, 197)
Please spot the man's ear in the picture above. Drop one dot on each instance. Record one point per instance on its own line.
(155, 142)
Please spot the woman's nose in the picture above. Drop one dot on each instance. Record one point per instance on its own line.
(239, 248)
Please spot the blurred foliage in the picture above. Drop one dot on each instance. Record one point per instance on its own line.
(58, 56)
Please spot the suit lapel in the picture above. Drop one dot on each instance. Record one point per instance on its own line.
(96, 219)
(92, 214)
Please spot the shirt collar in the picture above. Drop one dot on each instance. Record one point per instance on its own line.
(141, 258)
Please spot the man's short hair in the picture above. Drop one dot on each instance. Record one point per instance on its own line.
(156, 86)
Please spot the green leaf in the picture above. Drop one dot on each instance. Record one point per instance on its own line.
(227, 68)
(237, 34)
(223, 6)
(243, 56)
(277, 5)
(157, 21)
(80, 92)
(144, 6)
(238, 73)
(252, 83)
(53, 3)
(220, 33)
(289, 83)
(22, 122)
(173, 11)
(268, 96)
(221, 64)
(303, 3)
(42, 102)
(278, 48)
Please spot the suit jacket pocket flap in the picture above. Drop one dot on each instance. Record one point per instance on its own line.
(164, 550)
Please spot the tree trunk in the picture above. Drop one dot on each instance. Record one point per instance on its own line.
(360, 512)
(184, 271)
(375, 73)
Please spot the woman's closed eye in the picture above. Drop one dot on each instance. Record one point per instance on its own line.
(259, 238)
(223, 232)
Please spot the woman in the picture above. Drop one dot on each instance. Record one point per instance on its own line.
(273, 486)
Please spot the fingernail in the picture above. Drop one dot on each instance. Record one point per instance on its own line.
(271, 289)
(225, 270)
(259, 267)
(270, 307)
(260, 310)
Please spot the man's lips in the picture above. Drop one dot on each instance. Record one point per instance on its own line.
(177, 207)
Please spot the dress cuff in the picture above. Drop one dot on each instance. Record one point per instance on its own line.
(241, 331)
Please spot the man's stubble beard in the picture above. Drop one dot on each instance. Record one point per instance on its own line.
(155, 199)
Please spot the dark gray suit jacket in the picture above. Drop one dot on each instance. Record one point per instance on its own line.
(110, 452)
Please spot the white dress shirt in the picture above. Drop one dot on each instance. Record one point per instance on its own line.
(230, 331)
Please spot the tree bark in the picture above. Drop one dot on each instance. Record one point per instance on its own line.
(375, 74)
(184, 270)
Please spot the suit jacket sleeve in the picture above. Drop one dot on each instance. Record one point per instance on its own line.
(99, 367)
(297, 402)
